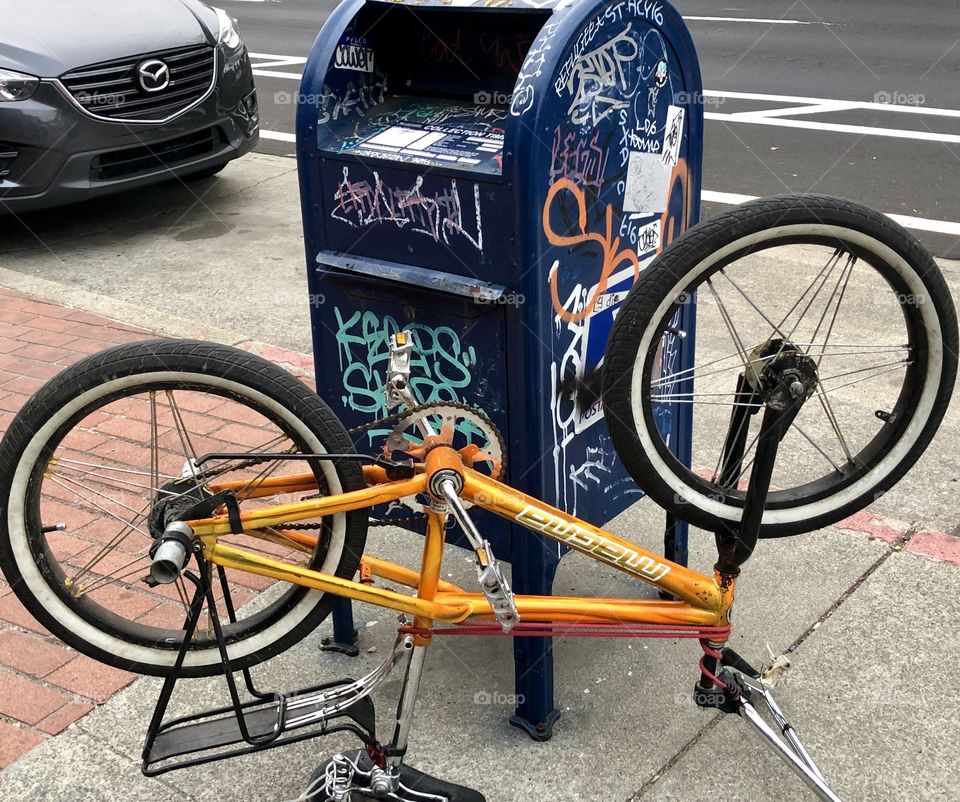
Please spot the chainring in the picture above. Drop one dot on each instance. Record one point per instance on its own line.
(492, 452)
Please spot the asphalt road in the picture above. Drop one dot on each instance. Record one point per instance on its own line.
(858, 99)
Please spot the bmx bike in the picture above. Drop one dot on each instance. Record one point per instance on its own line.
(121, 478)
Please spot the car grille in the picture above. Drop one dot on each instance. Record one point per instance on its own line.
(8, 154)
(110, 89)
(149, 158)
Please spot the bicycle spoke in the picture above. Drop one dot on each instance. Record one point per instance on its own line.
(184, 436)
(749, 300)
(895, 364)
(110, 579)
(832, 418)
(845, 275)
(109, 468)
(261, 477)
(97, 506)
(691, 374)
(731, 329)
(823, 453)
(68, 465)
(155, 450)
(803, 295)
(832, 263)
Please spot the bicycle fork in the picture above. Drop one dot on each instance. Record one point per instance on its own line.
(727, 682)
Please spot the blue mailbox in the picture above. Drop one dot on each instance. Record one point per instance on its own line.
(493, 176)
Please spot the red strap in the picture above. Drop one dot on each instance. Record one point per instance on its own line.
(546, 629)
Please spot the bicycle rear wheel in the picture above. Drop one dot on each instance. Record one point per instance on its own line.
(808, 273)
(91, 460)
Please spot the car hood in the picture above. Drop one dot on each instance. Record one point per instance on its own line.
(50, 37)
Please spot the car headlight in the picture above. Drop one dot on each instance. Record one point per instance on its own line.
(16, 86)
(229, 35)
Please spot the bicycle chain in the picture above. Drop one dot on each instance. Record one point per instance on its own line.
(392, 421)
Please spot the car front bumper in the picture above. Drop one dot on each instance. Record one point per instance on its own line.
(53, 153)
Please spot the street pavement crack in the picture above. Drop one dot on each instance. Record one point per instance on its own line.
(897, 546)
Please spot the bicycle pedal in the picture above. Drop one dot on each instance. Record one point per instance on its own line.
(495, 587)
(350, 777)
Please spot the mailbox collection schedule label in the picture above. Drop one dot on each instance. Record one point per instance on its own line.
(464, 136)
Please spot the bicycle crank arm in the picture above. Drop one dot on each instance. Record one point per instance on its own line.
(493, 583)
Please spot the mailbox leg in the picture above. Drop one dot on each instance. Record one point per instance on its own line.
(344, 639)
(534, 566)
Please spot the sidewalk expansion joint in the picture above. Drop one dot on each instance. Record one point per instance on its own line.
(107, 747)
(897, 546)
(676, 758)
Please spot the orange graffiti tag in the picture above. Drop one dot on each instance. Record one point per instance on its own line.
(670, 226)
(612, 257)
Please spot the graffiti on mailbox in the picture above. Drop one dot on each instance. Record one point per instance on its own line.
(532, 69)
(580, 157)
(441, 367)
(611, 255)
(440, 214)
(351, 100)
(616, 195)
(599, 81)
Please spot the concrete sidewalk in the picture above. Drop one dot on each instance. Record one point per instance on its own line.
(867, 610)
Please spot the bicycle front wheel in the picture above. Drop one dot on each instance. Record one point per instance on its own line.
(97, 461)
(810, 275)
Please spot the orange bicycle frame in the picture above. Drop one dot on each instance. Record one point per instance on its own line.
(700, 601)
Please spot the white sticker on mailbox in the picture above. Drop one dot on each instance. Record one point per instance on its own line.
(353, 57)
(647, 180)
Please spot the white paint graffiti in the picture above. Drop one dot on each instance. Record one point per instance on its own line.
(591, 470)
(355, 99)
(613, 14)
(438, 215)
(524, 92)
(599, 80)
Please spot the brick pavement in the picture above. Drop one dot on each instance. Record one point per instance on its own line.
(44, 685)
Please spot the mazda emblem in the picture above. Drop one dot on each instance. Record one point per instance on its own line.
(153, 75)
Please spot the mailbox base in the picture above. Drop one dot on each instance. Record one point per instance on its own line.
(344, 638)
(537, 730)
